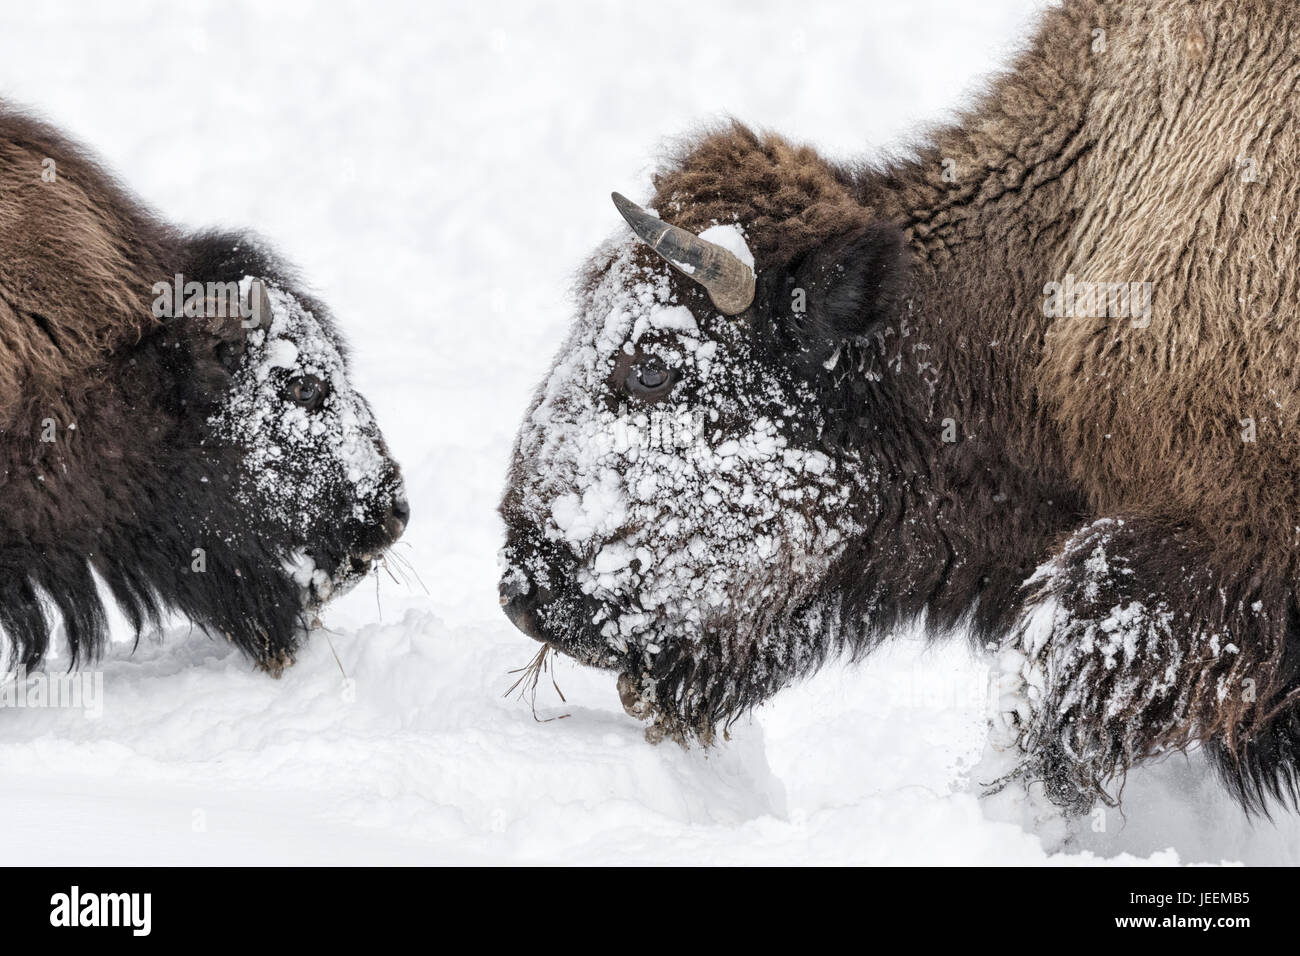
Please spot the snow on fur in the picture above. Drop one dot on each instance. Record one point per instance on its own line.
(680, 515)
(339, 439)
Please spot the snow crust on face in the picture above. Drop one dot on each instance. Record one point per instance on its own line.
(692, 513)
(677, 318)
(295, 456)
(313, 583)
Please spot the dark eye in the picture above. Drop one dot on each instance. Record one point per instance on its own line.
(307, 391)
(649, 380)
(230, 354)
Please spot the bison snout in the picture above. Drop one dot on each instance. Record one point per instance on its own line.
(522, 602)
(397, 518)
(379, 536)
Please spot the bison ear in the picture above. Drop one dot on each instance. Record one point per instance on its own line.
(846, 289)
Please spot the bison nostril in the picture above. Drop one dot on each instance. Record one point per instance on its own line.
(523, 615)
(399, 515)
(521, 603)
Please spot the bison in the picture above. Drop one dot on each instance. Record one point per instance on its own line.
(177, 428)
(1037, 382)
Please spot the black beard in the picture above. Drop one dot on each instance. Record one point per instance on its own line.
(693, 689)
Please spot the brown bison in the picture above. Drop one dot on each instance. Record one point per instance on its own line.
(177, 428)
(1038, 383)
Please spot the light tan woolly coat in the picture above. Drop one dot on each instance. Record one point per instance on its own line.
(1153, 142)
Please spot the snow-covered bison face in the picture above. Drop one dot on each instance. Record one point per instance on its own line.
(315, 479)
(676, 498)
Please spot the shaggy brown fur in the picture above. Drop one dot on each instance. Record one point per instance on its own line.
(72, 253)
(1144, 141)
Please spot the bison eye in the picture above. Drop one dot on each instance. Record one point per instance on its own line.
(307, 391)
(230, 354)
(649, 380)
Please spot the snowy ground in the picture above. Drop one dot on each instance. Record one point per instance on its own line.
(439, 170)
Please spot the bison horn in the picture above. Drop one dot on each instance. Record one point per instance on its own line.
(729, 281)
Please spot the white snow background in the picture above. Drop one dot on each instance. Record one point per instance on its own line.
(439, 169)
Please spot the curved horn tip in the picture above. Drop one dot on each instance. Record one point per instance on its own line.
(630, 210)
(730, 283)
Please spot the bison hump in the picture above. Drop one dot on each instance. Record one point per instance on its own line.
(78, 259)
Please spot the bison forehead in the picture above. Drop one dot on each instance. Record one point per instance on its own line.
(684, 512)
(297, 457)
